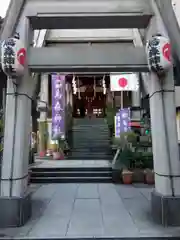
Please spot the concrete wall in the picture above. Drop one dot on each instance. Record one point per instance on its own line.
(90, 34)
(176, 7)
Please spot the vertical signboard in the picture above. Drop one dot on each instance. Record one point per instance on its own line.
(122, 121)
(58, 106)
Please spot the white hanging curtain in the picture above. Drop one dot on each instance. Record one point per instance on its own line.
(94, 86)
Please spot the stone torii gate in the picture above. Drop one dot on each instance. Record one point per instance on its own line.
(24, 17)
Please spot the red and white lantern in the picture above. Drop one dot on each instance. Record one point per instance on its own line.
(159, 57)
(13, 57)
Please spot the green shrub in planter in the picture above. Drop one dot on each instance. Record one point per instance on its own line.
(110, 114)
(125, 158)
(123, 162)
(131, 137)
(147, 158)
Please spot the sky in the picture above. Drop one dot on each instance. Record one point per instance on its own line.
(3, 7)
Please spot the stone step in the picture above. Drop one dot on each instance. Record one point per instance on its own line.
(48, 180)
(88, 146)
(91, 145)
(89, 150)
(90, 128)
(71, 175)
(72, 169)
(89, 157)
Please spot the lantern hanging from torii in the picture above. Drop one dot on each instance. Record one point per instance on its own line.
(158, 51)
(13, 56)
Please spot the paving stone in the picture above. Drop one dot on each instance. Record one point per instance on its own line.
(65, 191)
(88, 191)
(141, 213)
(128, 191)
(116, 218)
(146, 192)
(86, 218)
(45, 192)
(38, 207)
(91, 210)
(49, 226)
(60, 207)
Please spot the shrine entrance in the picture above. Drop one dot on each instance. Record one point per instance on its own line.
(89, 98)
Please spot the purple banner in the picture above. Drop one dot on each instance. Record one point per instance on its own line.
(122, 123)
(58, 106)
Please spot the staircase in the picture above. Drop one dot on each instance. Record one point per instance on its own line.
(71, 175)
(90, 140)
(90, 143)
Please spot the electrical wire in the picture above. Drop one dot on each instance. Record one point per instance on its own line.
(159, 91)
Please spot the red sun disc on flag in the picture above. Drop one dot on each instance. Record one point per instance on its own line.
(123, 82)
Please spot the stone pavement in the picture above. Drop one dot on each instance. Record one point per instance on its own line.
(71, 163)
(90, 210)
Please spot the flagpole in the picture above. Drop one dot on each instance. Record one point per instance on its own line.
(122, 102)
(94, 87)
(79, 90)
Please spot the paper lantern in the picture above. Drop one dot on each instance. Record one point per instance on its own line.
(159, 58)
(13, 57)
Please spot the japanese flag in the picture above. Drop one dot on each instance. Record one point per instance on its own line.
(124, 82)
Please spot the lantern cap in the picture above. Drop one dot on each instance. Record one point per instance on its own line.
(17, 35)
(157, 35)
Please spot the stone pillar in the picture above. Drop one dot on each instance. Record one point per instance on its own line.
(136, 102)
(15, 201)
(43, 104)
(166, 196)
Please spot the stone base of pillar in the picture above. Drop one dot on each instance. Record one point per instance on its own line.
(165, 209)
(15, 212)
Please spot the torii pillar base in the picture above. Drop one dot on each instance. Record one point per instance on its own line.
(165, 209)
(15, 212)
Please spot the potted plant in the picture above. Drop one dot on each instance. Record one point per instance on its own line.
(123, 159)
(149, 176)
(69, 124)
(42, 138)
(117, 163)
(110, 114)
(138, 167)
(58, 153)
(131, 137)
(127, 176)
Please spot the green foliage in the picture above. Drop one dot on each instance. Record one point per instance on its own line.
(43, 133)
(147, 158)
(110, 114)
(1, 126)
(69, 118)
(131, 137)
(62, 145)
(135, 160)
(125, 158)
(125, 140)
